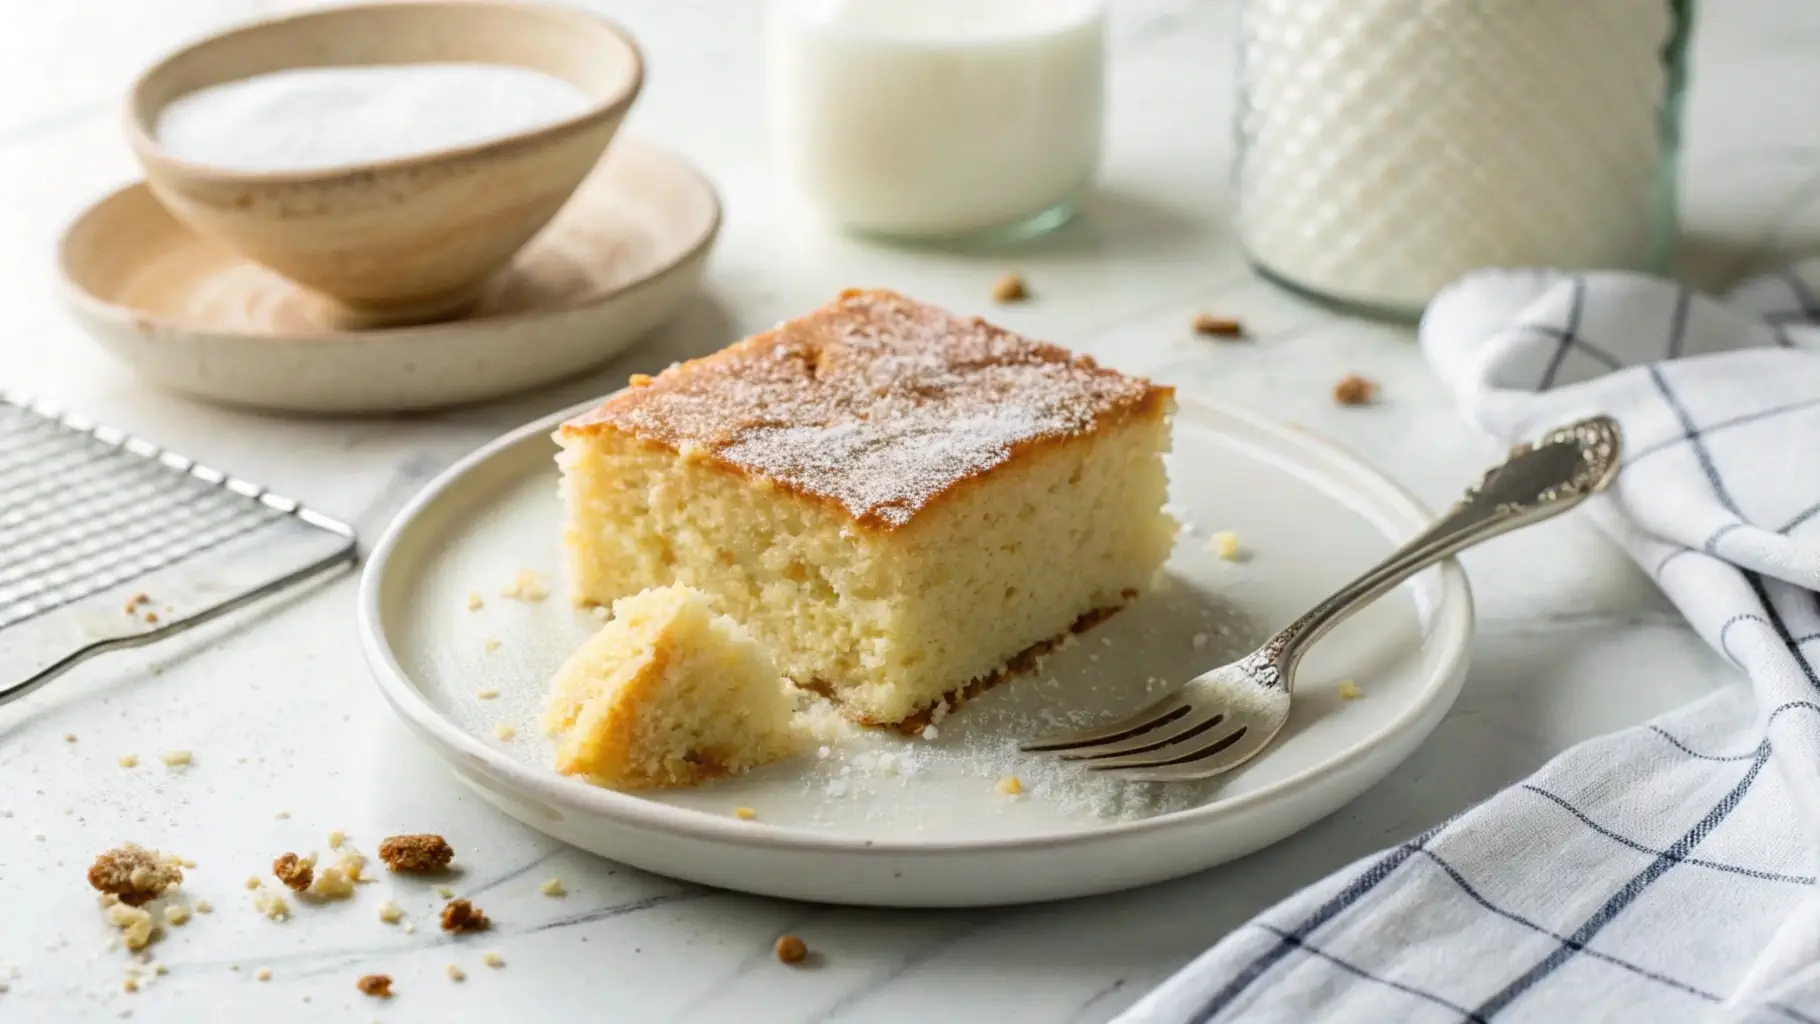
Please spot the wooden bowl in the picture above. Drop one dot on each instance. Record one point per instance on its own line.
(412, 239)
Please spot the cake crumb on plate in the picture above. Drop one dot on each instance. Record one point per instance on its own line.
(1010, 288)
(505, 731)
(528, 586)
(1226, 545)
(1009, 786)
(488, 693)
(1349, 690)
(744, 813)
(474, 601)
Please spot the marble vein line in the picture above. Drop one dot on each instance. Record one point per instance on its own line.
(879, 980)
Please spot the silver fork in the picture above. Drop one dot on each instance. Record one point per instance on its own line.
(1224, 718)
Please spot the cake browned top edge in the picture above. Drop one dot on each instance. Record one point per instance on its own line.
(876, 402)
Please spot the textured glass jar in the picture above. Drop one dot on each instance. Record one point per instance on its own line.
(1387, 147)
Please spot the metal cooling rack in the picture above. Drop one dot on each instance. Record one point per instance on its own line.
(108, 541)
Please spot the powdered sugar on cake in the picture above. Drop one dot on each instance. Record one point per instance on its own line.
(875, 401)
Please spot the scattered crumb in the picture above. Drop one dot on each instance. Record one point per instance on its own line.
(492, 959)
(151, 618)
(417, 854)
(1010, 288)
(1355, 390)
(129, 760)
(930, 732)
(132, 603)
(176, 915)
(488, 694)
(455, 973)
(474, 601)
(379, 986)
(445, 892)
(410, 928)
(295, 872)
(253, 882)
(492, 645)
(526, 586)
(69, 737)
(135, 923)
(1009, 786)
(504, 731)
(134, 874)
(1218, 326)
(1349, 690)
(462, 916)
(333, 883)
(130, 983)
(1226, 545)
(791, 950)
(553, 887)
(602, 612)
(744, 813)
(390, 912)
(1200, 641)
(272, 905)
(204, 907)
(283, 815)
(336, 838)
(263, 974)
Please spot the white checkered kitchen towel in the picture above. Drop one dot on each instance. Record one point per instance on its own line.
(1665, 873)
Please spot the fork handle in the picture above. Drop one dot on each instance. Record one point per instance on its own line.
(1538, 481)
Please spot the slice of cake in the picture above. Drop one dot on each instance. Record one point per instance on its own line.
(898, 502)
(668, 693)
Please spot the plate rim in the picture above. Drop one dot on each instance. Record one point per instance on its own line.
(78, 297)
(1453, 627)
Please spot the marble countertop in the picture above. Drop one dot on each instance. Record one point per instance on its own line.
(291, 739)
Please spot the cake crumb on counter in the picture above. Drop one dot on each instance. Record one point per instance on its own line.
(390, 912)
(379, 986)
(1208, 325)
(295, 872)
(488, 694)
(416, 854)
(791, 950)
(1226, 545)
(129, 760)
(455, 973)
(263, 974)
(133, 874)
(492, 959)
(445, 892)
(505, 731)
(272, 905)
(336, 838)
(1349, 690)
(1355, 390)
(474, 601)
(492, 645)
(1010, 288)
(175, 758)
(176, 915)
(135, 923)
(744, 813)
(462, 916)
(204, 907)
(552, 887)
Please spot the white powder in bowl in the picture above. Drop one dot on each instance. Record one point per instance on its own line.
(314, 118)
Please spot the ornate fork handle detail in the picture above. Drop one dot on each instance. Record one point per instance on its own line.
(1538, 481)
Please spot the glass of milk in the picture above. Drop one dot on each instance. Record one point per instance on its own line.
(938, 118)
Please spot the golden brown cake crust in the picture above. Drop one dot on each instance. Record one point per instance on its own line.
(876, 402)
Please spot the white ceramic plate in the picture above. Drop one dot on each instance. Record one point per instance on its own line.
(923, 824)
(627, 250)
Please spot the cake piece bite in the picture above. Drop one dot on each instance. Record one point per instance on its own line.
(898, 502)
(668, 693)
